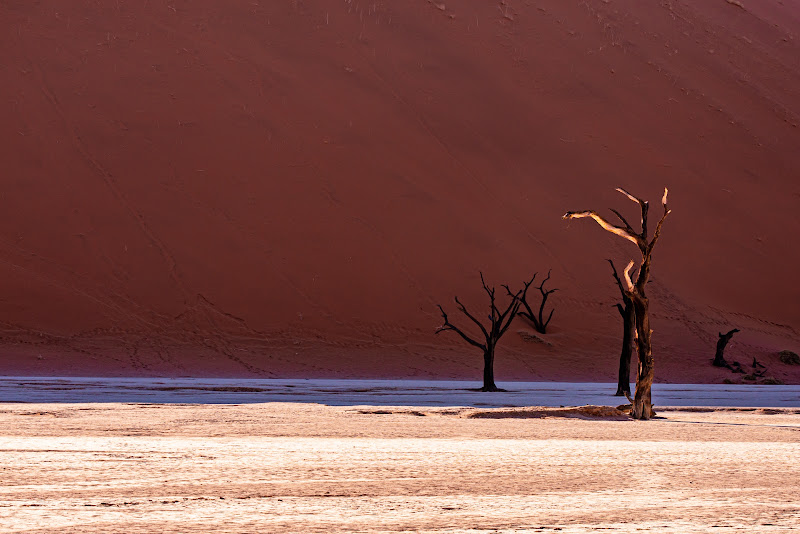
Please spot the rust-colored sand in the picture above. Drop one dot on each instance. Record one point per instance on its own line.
(288, 188)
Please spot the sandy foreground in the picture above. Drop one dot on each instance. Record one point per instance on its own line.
(281, 467)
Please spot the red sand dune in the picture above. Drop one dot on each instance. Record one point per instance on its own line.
(288, 188)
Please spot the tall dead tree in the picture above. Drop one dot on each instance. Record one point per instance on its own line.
(642, 407)
(626, 310)
(538, 320)
(719, 355)
(498, 324)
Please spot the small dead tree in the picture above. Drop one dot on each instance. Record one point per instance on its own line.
(628, 337)
(538, 321)
(642, 407)
(719, 355)
(499, 321)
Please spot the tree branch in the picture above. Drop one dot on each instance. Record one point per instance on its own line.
(510, 319)
(490, 292)
(657, 233)
(644, 205)
(625, 222)
(541, 286)
(513, 308)
(617, 279)
(618, 230)
(545, 294)
(450, 326)
(729, 334)
(523, 297)
(514, 298)
(548, 319)
(486, 288)
(469, 315)
(627, 275)
(645, 209)
(538, 321)
(633, 198)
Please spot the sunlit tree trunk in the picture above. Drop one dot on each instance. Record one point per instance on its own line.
(642, 406)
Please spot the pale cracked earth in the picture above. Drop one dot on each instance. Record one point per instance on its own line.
(136, 468)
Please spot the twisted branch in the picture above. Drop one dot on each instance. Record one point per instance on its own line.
(499, 321)
(450, 326)
(618, 230)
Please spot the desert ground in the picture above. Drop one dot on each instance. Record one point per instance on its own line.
(309, 467)
(287, 190)
(378, 392)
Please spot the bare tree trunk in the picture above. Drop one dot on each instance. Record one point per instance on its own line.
(488, 370)
(719, 355)
(642, 405)
(628, 340)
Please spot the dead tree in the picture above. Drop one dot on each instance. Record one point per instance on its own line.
(642, 407)
(498, 324)
(538, 321)
(722, 342)
(628, 337)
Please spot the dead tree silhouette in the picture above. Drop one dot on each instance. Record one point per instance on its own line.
(538, 320)
(626, 310)
(498, 324)
(719, 355)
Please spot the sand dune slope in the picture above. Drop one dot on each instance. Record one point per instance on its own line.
(288, 188)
